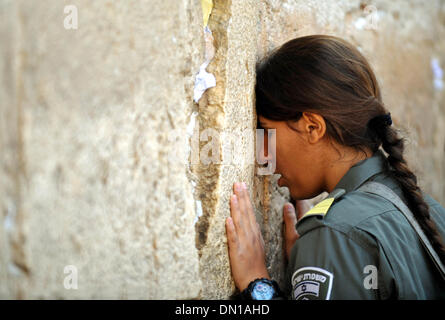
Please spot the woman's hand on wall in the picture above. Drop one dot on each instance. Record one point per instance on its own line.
(246, 244)
(290, 220)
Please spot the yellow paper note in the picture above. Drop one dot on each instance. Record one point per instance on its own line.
(207, 6)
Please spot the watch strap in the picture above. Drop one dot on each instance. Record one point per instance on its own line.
(246, 294)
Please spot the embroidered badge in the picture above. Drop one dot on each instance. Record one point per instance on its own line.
(311, 283)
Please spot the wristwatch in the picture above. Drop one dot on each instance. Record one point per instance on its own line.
(261, 289)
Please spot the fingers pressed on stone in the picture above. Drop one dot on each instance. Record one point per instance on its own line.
(289, 210)
(239, 191)
(231, 232)
(290, 218)
(249, 208)
(235, 212)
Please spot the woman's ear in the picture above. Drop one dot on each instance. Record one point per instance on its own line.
(314, 126)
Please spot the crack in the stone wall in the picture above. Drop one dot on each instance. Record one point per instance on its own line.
(211, 110)
(15, 233)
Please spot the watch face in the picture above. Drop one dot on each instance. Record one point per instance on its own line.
(263, 291)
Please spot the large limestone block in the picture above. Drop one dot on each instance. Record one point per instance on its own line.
(229, 109)
(226, 108)
(87, 117)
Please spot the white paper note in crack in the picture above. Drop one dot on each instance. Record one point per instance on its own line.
(205, 80)
(437, 74)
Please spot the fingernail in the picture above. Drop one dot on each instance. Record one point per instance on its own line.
(234, 199)
(288, 207)
(238, 187)
(244, 185)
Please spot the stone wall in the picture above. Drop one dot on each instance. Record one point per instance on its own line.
(101, 125)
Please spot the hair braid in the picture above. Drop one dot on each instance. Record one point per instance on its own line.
(397, 167)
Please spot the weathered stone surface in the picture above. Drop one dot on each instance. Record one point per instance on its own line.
(96, 125)
(228, 108)
(85, 175)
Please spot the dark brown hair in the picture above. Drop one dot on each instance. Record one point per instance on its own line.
(328, 76)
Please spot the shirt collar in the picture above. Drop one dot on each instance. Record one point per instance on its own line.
(361, 171)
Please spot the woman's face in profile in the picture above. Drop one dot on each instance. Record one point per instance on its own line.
(297, 161)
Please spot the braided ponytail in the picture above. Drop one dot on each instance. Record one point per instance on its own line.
(397, 168)
(329, 76)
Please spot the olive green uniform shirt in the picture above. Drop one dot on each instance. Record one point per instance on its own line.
(363, 247)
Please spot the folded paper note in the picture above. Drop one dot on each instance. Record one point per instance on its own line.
(205, 80)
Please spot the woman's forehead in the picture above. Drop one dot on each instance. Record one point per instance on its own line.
(262, 120)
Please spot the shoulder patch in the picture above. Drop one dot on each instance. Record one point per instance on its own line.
(321, 208)
(311, 283)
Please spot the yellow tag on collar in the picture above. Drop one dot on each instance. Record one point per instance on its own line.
(320, 208)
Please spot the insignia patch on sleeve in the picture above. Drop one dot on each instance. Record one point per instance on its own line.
(311, 283)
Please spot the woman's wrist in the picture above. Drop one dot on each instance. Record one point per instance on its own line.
(262, 289)
(253, 277)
